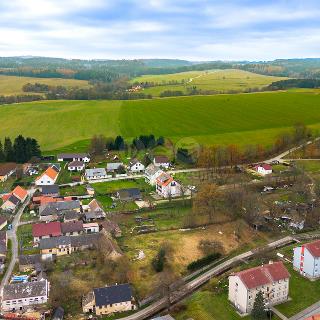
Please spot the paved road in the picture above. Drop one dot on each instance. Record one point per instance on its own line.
(12, 235)
(308, 312)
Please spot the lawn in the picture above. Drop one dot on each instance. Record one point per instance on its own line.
(79, 190)
(11, 85)
(217, 80)
(199, 118)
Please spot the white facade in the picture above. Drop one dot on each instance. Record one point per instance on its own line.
(91, 227)
(45, 180)
(96, 174)
(76, 168)
(152, 173)
(171, 189)
(136, 167)
(26, 300)
(306, 261)
(165, 165)
(263, 171)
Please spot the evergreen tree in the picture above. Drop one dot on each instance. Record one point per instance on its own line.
(119, 143)
(19, 149)
(8, 150)
(258, 312)
(2, 157)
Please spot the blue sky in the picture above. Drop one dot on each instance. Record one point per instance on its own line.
(186, 29)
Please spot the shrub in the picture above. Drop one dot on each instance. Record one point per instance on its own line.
(197, 264)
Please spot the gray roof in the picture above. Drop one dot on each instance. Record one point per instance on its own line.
(96, 172)
(114, 166)
(71, 215)
(56, 207)
(72, 155)
(72, 226)
(94, 215)
(3, 248)
(152, 169)
(73, 241)
(58, 314)
(13, 199)
(76, 164)
(113, 294)
(161, 159)
(25, 290)
(31, 259)
(50, 189)
(129, 194)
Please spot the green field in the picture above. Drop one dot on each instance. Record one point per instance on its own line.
(221, 119)
(217, 80)
(11, 85)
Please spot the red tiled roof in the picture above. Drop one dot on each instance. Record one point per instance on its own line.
(46, 229)
(265, 166)
(259, 276)
(6, 196)
(50, 172)
(164, 179)
(313, 248)
(20, 193)
(315, 317)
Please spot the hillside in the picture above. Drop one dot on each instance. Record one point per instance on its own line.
(12, 85)
(216, 80)
(243, 119)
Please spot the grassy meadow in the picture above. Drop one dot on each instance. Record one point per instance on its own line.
(221, 119)
(12, 85)
(218, 80)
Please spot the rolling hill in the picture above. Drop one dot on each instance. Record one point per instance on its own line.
(243, 118)
(217, 80)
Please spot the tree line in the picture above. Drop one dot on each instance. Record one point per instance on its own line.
(294, 83)
(20, 150)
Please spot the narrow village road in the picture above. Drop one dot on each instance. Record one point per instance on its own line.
(12, 235)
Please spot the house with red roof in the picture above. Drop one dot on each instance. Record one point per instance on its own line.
(48, 177)
(167, 187)
(306, 259)
(46, 230)
(263, 169)
(271, 279)
(14, 198)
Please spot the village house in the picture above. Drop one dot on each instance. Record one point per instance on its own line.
(69, 157)
(152, 173)
(136, 166)
(107, 300)
(130, 194)
(271, 279)
(3, 222)
(50, 190)
(30, 262)
(50, 248)
(46, 230)
(7, 170)
(167, 187)
(91, 227)
(20, 296)
(71, 215)
(263, 169)
(13, 199)
(93, 211)
(96, 174)
(114, 166)
(162, 162)
(306, 259)
(3, 247)
(76, 166)
(48, 177)
(53, 210)
(72, 228)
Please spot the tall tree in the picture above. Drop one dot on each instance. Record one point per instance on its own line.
(2, 156)
(258, 312)
(19, 149)
(8, 149)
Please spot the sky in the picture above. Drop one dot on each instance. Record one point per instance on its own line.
(185, 29)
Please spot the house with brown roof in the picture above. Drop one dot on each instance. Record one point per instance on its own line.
(76, 166)
(46, 230)
(72, 228)
(306, 259)
(3, 222)
(167, 187)
(84, 157)
(271, 279)
(7, 170)
(48, 177)
(3, 247)
(162, 162)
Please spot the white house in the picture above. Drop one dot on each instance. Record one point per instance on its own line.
(48, 177)
(151, 174)
(91, 227)
(76, 166)
(306, 259)
(263, 169)
(20, 296)
(136, 166)
(167, 187)
(271, 279)
(162, 161)
(96, 174)
(84, 157)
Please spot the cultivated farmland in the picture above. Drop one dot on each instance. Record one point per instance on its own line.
(11, 85)
(217, 80)
(242, 118)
